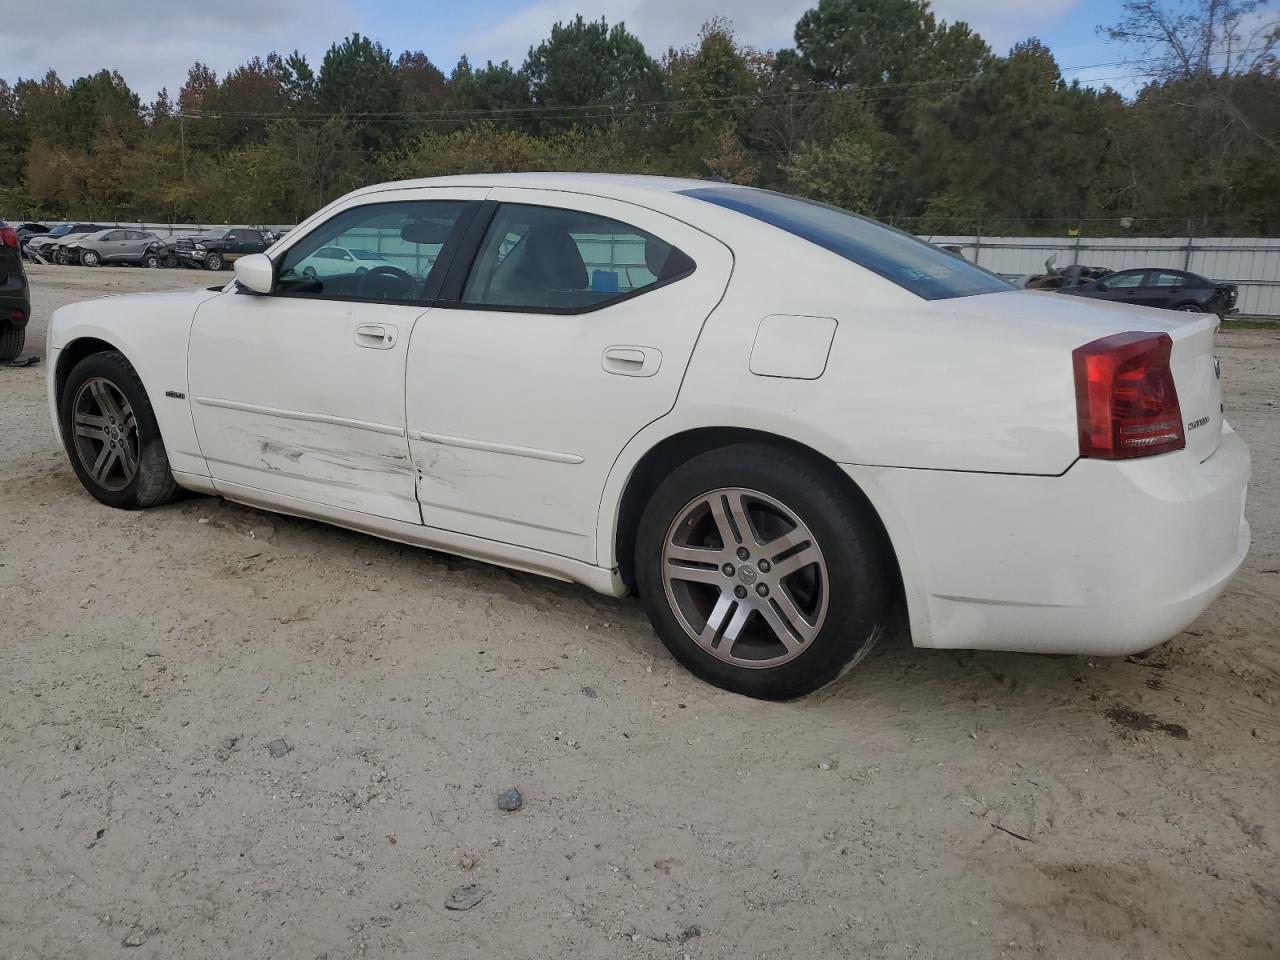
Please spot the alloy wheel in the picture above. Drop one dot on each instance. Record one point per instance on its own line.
(105, 431)
(745, 577)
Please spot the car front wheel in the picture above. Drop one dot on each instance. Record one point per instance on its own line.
(213, 261)
(111, 435)
(89, 258)
(761, 572)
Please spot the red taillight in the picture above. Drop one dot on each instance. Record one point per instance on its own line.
(8, 237)
(1126, 402)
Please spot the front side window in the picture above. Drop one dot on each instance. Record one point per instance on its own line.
(379, 251)
(1122, 281)
(925, 270)
(556, 260)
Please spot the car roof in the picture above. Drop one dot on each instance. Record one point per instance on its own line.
(550, 181)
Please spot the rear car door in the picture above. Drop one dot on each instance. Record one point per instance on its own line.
(300, 393)
(570, 332)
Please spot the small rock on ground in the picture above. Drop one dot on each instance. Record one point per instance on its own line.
(465, 897)
(510, 800)
(278, 748)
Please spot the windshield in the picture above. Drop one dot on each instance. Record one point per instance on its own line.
(61, 231)
(927, 271)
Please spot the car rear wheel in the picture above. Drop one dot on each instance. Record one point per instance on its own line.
(89, 258)
(151, 260)
(213, 261)
(111, 435)
(11, 341)
(1189, 308)
(760, 573)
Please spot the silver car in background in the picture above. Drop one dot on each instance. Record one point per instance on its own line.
(118, 245)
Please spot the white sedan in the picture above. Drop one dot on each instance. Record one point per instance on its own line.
(768, 417)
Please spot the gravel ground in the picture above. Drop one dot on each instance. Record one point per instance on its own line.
(225, 733)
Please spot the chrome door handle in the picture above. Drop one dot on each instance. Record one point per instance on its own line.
(628, 361)
(375, 336)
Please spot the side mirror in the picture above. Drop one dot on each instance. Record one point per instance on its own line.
(1100, 287)
(255, 272)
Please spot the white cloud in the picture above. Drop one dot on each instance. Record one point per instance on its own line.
(153, 44)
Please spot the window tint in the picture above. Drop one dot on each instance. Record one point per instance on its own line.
(399, 243)
(1164, 278)
(927, 271)
(545, 258)
(1122, 281)
(115, 235)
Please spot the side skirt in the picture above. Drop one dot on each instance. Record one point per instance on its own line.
(595, 578)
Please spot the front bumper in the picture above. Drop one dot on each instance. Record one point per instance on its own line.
(1110, 558)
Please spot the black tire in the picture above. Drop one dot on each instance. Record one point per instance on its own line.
(171, 261)
(213, 261)
(858, 564)
(151, 261)
(90, 258)
(152, 483)
(1190, 308)
(11, 342)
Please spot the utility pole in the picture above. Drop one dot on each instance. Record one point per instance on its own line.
(182, 137)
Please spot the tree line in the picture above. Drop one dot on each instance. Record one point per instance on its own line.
(880, 107)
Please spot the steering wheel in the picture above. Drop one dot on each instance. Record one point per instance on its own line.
(385, 270)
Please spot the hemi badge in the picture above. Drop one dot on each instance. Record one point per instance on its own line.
(175, 394)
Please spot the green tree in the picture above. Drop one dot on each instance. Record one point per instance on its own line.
(357, 83)
(586, 63)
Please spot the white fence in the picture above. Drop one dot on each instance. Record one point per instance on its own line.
(1253, 265)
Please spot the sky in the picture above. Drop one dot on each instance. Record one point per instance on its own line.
(152, 44)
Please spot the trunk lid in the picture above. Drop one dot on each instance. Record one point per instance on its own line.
(1197, 376)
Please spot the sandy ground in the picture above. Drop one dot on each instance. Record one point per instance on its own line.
(930, 805)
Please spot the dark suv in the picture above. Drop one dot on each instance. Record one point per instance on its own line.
(15, 295)
(216, 249)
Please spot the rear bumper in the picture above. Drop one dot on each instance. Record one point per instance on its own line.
(1107, 559)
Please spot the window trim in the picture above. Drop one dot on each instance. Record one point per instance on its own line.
(447, 252)
(481, 231)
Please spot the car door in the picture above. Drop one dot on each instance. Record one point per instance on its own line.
(1122, 287)
(113, 245)
(300, 393)
(1164, 287)
(570, 332)
(135, 245)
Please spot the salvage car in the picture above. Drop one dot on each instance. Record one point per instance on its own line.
(217, 249)
(136, 247)
(15, 295)
(766, 416)
(44, 245)
(1161, 287)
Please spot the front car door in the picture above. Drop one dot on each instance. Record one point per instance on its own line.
(1122, 287)
(570, 333)
(300, 393)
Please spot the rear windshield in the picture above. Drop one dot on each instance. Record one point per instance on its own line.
(925, 270)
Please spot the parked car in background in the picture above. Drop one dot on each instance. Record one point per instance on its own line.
(44, 244)
(217, 249)
(116, 246)
(28, 230)
(330, 261)
(15, 295)
(1161, 287)
(767, 416)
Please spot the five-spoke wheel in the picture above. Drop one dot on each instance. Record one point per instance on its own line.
(762, 571)
(106, 433)
(745, 576)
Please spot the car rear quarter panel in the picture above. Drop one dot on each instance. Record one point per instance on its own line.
(152, 331)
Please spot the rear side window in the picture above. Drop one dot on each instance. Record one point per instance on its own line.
(555, 260)
(925, 270)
